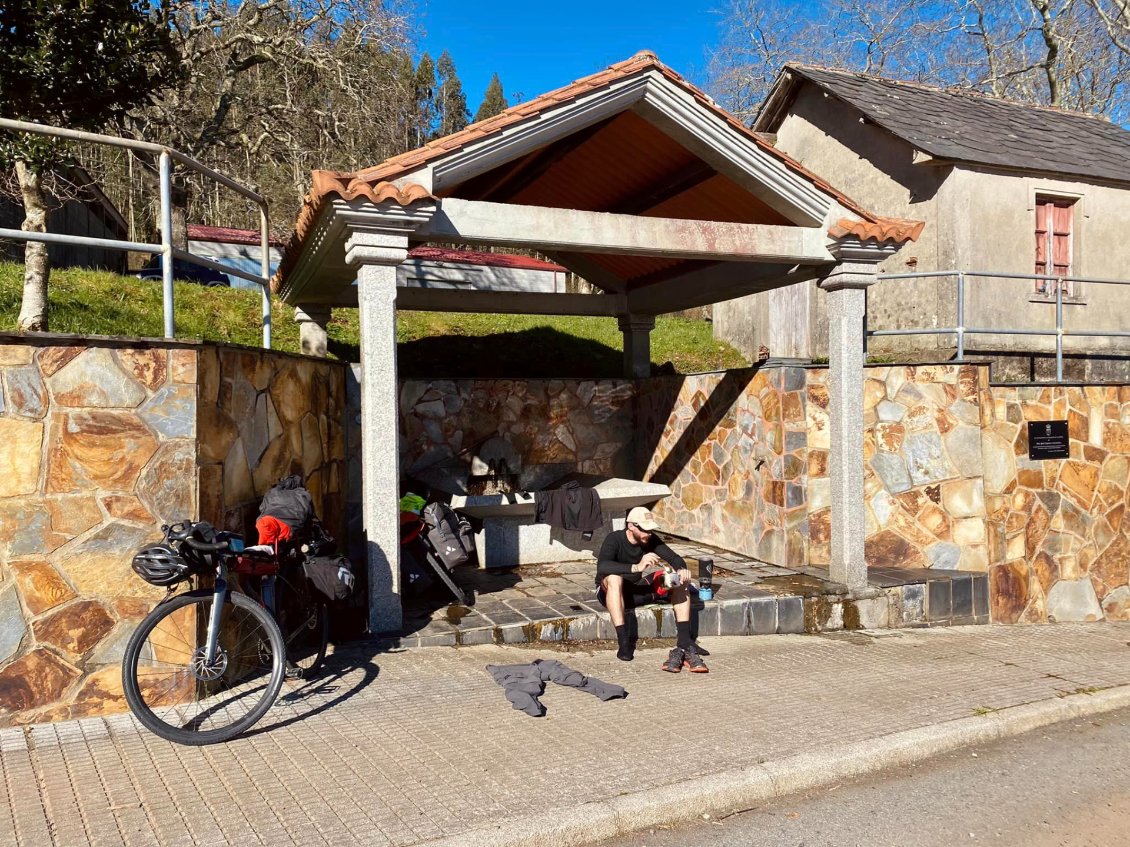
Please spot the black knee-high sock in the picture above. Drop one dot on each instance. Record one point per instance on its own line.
(684, 629)
(622, 635)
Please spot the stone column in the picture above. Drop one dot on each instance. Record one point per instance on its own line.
(846, 288)
(637, 344)
(376, 255)
(312, 335)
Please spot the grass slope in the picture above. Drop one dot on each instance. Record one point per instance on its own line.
(430, 344)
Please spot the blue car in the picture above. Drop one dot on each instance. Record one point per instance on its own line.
(186, 272)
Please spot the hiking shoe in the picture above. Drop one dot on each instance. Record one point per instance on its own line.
(693, 661)
(674, 662)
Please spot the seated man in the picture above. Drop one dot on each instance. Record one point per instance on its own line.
(624, 557)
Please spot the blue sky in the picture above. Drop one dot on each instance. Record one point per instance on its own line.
(536, 46)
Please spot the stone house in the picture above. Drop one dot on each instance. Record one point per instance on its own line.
(1001, 187)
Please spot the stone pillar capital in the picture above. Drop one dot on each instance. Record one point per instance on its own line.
(635, 323)
(376, 247)
(312, 313)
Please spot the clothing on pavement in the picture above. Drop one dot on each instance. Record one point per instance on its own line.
(525, 683)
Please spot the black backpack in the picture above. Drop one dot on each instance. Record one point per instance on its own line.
(449, 535)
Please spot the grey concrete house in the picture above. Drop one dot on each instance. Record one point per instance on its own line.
(1002, 187)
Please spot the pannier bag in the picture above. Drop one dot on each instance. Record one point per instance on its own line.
(449, 535)
(332, 575)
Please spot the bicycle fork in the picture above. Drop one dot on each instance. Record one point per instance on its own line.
(220, 593)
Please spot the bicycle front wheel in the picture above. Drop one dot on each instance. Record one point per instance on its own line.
(178, 694)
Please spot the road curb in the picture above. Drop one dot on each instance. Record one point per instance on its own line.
(737, 788)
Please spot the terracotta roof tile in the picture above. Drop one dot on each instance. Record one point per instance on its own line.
(881, 229)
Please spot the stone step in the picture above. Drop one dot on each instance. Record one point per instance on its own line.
(952, 599)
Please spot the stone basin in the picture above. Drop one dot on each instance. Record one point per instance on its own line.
(509, 536)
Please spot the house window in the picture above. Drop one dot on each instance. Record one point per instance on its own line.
(1053, 242)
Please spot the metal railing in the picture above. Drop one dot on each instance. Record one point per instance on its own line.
(166, 157)
(961, 330)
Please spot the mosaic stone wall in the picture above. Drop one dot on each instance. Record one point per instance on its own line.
(102, 443)
(98, 443)
(746, 456)
(1059, 547)
(264, 415)
(555, 427)
(733, 448)
(922, 483)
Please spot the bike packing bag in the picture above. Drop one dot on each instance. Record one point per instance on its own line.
(325, 573)
(449, 535)
(256, 563)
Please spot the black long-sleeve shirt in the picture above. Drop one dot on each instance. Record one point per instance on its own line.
(618, 555)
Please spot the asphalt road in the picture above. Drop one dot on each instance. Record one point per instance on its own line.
(1064, 786)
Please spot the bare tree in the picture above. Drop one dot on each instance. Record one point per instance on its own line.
(1053, 52)
(273, 88)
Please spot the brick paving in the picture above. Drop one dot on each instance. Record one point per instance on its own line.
(402, 747)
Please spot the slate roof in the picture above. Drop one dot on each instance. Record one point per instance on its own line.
(967, 127)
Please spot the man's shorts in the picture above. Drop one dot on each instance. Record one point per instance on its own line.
(635, 594)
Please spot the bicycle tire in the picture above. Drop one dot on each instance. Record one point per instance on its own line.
(182, 701)
(304, 621)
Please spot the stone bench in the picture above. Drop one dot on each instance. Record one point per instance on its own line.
(510, 537)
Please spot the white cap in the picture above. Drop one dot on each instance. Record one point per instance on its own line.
(643, 518)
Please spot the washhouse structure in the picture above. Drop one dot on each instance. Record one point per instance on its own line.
(631, 178)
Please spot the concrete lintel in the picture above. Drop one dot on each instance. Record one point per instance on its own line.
(571, 230)
(508, 302)
(716, 283)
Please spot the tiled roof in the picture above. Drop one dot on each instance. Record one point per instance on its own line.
(227, 235)
(967, 127)
(376, 183)
(428, 253)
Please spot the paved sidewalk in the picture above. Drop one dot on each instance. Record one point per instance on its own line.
(421, 745)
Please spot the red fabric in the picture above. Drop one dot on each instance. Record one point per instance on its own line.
(271, 530)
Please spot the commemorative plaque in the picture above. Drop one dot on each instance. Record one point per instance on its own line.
(1048, 440)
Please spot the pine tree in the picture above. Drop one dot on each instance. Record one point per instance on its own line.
(451, 102)
(494, 101)
(425, 99)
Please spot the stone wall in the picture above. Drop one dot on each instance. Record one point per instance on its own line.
(98, 446)
(264, 415)
(555, 427)
(104, 441)
(732, 447)
(1058, 545)
(923, 478)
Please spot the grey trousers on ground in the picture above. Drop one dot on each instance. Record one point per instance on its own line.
(525, 683)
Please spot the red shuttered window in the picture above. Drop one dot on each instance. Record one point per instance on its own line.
(1053, 242)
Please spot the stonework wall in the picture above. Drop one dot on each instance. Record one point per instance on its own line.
(923, 479)
(1059, 547)
(264, 415)
(98, 445)
(555, 427)
(732, 447)
(103, 442)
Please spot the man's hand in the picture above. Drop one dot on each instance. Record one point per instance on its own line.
(684, 576)
(650, 560)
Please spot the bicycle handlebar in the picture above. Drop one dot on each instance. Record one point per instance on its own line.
(206, 547)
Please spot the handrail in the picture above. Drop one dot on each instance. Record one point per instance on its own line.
(166, 156)
(961, 330)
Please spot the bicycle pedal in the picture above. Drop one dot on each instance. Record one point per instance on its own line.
(293, 671)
